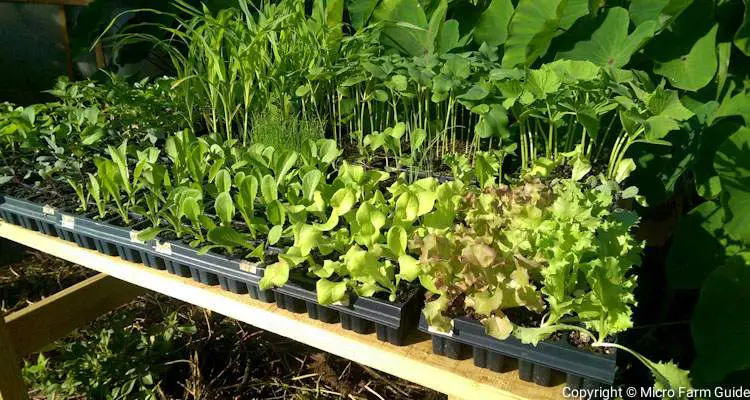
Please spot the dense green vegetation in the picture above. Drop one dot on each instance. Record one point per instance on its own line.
(557, 122)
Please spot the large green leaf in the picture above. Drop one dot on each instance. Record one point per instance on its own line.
(707, 182)
(659, 11)
(686, 53)
(742, 37)
(360, 12)
(610, 43)
(405, 25)
(435, 25)
(492, 27)
(720, 323)
(732, 164)
(696, 250)
(531, 29)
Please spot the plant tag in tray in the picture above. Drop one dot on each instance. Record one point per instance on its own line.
(48, 210)
(163, 248)
(247, 266)
(68, 221)
(134, 237)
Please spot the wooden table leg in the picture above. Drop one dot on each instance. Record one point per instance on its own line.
(12, 386)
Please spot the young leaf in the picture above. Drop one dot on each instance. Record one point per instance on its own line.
(225, 208)
(268, 189)
(275, 275)
(330, 292)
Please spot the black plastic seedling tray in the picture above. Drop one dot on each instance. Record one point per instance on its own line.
(233, 274)
(390, 321)
(28, 214)
(535, 363)
(103, 236)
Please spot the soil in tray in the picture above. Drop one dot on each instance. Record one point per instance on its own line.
(48, 193)
(583, 342)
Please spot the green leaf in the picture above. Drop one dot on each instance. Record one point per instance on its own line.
(396, 239)
(498, 327)
(531, 30)
(686, 54)
(435, 25)
(225, 208)
(660, 11)
(248, 192)
(223, 181)
(732, 163)
(449, 36)
(276, 212)
(408, 267)
(720, 317)
(669, 376)
(542, 82)
(226, 236)
(149, 233)
(492, 27)
(330, 292)
(485, 302)
(707, 181)
(360, 12)
(433, 313)
(275, 275)
(306, 239)
(696, 250)
(405, 25)
(658, 126)
(274, 234)
(610, 43)
(343, 200)
(268, 189)
(624, 168)
(581, 167)
(742, 37)
(310, 183)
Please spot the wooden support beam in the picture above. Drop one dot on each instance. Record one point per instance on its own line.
(34, 327)
(12, 386)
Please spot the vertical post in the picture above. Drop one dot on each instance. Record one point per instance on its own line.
(66, 41)
(101, 62)
(12, 386)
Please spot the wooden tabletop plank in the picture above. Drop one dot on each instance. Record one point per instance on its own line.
(414, 362)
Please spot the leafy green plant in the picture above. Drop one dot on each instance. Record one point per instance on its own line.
(119, 362)
(517, 246)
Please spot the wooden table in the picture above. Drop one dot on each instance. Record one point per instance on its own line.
(414, 362)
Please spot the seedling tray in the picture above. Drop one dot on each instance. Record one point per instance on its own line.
(102, 236)
(233, 274)
(535, 363)
(29, 214)
(390, 321)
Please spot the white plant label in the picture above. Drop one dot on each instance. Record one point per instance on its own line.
(68, 221)
(163, 248)
(49, 210)
(134, 237)
(249, 267)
